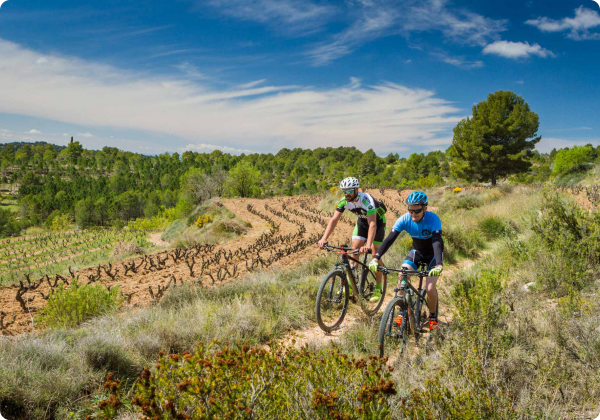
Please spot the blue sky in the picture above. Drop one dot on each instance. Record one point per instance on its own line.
(258, 75)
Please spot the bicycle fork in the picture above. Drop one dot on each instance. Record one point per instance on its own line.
(411, 300)
(349, 277)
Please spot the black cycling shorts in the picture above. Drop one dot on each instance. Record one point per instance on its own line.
(415, 259)
(361, 231)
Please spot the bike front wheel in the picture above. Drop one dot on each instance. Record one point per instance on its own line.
(394, 326)
(332, 301)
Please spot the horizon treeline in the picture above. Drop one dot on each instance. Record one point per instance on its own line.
(111, 186)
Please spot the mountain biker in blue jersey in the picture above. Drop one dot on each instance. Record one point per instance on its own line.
(369, 230)
(425, 228)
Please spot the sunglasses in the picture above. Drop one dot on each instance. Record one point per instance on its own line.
(348, 192)
(415, 211)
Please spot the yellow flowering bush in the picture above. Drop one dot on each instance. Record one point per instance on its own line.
(457, 190)
(203, 220)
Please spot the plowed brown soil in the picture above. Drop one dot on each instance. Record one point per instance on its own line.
(139, 283)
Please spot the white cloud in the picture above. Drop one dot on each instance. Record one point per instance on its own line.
(41, 60)
(4, 133)
(569, 129)
(462, 26)
(34, 131)
(461, 61)
(517, 50)
(205, 148)
(374, 23)
(578, 27)
(88, 135)
(378, 18)
(263, 119)
(294, 16)
(546, 144)
(252, 84)
(520, 82)
(190, 70)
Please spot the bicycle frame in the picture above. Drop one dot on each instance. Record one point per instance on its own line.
(406, 286)
(345, 263)
(421, 274)
(331, 298)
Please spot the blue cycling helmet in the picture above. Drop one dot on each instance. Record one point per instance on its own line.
(417, 197)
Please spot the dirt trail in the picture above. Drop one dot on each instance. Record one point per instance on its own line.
(315, 336)
(156, 240)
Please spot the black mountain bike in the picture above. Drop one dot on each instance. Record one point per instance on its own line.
(403, 315)
(340, 286)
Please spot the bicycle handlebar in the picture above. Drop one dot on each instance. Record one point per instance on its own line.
(341, 248)
(402, 270)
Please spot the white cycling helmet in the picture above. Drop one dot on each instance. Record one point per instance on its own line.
(349, 182)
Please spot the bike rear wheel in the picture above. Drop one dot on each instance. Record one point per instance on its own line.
(394, 326)
(332, 301)
(367, 283)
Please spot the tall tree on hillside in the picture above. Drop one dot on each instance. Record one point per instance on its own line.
(74, 150)
(243, 179)
(497, 140)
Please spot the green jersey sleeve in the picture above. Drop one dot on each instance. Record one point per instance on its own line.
(341, 205)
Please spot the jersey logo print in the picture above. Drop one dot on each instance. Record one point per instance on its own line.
(425, 233)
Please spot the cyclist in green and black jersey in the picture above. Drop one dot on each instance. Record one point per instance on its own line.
(369, 230)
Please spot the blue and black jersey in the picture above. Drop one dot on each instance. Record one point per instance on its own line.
(426, 235)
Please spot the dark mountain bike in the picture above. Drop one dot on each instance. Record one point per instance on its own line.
(403, 315)
(340, 285)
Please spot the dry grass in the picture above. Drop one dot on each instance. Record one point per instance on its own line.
(502, 346)
(124, 249)
(50, 373)
(224, 227)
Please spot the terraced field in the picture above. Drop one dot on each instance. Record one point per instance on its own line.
(284, 233)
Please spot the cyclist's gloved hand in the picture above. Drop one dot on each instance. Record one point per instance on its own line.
(373, 265)
(322, 243)
(436, 271)
(365, 249)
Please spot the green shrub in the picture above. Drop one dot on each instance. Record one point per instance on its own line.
(571, 178)
(464, 242)
(573, 160)
(471, 387)
(240, 382)
(158, 222)
(68, 307)
(564, 228)
(494, 227)
(436, 400)
(467, 202)
(174, 230)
